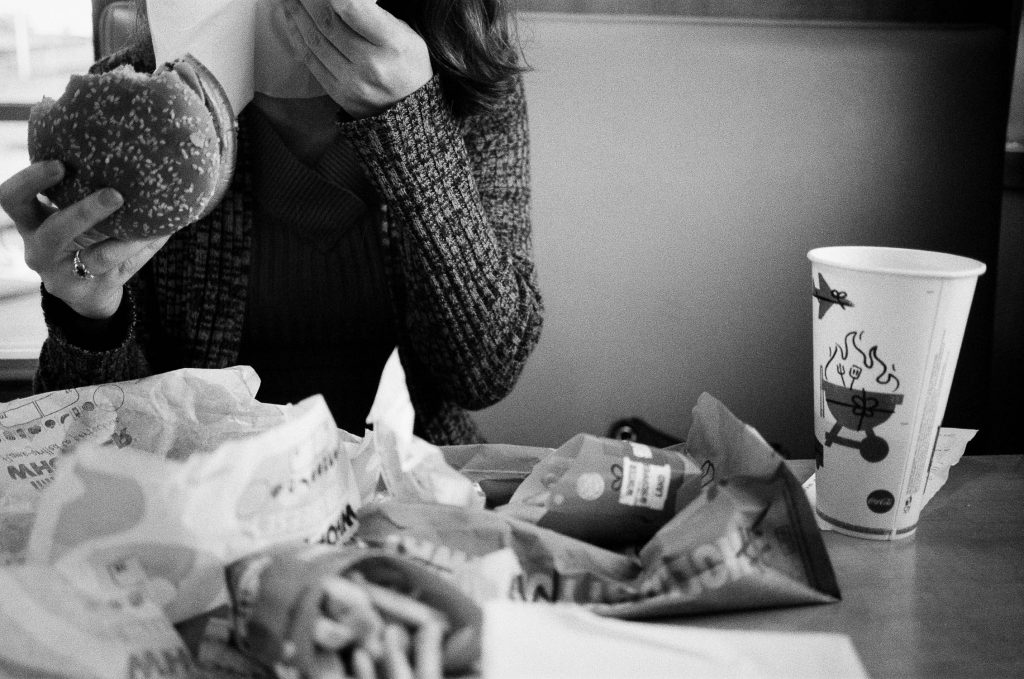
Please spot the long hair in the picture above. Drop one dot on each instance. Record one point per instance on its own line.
(473, 44)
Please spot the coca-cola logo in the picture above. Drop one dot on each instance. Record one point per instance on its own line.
(880, 501)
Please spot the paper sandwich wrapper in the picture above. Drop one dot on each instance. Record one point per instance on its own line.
(244, 43)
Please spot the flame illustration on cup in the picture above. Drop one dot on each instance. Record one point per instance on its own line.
(860, 390)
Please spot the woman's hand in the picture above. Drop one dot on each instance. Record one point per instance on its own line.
(93, 285)
(364, 57)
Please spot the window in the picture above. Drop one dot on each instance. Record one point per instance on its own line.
(41, 45)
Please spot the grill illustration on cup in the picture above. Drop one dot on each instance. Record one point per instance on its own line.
(851, 383)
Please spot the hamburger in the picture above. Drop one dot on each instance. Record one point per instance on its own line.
(165, 140)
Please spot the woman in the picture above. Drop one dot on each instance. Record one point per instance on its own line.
(391, 211)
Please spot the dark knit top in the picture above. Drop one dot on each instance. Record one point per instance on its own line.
(455, 235)
(318, 317)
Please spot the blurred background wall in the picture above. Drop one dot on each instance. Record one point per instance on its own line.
(683, 166)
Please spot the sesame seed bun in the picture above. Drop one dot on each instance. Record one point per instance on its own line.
(166, 141)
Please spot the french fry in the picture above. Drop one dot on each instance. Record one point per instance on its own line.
(403, 609)
(427, 658)
(362, 664)
(461, 649)
(326, 665)
(396, 652)
(348, 604)
(332, 635)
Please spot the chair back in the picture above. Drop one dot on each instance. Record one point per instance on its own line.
(113, 23)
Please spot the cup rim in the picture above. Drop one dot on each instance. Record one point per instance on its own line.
(897, 261)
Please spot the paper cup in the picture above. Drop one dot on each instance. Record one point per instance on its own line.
(888, 324)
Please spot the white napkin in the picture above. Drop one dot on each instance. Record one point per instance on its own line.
(243, 42)
(413, 469)
(565, 641)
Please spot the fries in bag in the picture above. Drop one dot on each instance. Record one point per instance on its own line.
(279, 595)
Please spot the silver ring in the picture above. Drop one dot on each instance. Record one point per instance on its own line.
(81, 270)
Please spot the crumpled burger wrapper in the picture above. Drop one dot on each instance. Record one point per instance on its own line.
(746, 539)
(172, 416)
(157, 484)
(126, 517)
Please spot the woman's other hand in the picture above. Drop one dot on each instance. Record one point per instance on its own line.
(93, 285)
(363, 56)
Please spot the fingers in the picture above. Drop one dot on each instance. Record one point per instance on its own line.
(365, 58)
(18, 193)
(90, 237)
(348, 21)
(308, 43)
(365, 18)
(146, 249)
(325, 58)
(316, 28)
(80, 217)
(55, 238)
(120, 256)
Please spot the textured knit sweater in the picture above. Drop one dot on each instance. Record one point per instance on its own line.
(314, 321)
(454, 194)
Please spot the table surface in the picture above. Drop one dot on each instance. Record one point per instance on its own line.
(948, 602)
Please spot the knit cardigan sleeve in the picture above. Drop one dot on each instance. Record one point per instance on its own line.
(65, 361)
(456, 193)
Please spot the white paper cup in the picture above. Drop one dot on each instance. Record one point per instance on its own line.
(888, 324)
